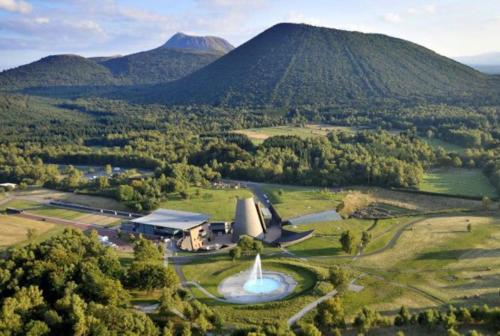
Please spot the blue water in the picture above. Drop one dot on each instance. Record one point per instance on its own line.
(261, 286)
(325, 216)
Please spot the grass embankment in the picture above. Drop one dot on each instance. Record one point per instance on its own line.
(210, 271)
(220, 204)
(292, 202)
(458, 181)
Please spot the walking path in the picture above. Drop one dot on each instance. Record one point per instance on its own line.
(310, 307)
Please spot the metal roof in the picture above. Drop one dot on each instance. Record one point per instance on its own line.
(174, 219)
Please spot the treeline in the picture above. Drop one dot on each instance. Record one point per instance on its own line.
(138, 193)
(339, 159)
(72, 285)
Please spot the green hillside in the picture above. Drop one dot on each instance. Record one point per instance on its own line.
(179, 57)
(159, 65)
(294, 64)
(57, 70)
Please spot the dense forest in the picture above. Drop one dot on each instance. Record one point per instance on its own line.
(194, 145)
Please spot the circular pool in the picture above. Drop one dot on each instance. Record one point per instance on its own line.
(273, 286)
(261, 286)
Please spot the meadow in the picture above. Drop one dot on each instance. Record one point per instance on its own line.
(61, 213)
(447, 146)
(258, 135)
(14, 230)
(458, 181)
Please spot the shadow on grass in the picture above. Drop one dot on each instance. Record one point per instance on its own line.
(461, 254)
(328, 251)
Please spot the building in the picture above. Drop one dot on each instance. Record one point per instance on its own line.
(190, 226)
(220, 228)
(249, 220)
(8, 186)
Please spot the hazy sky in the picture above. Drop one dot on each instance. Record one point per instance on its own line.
(31, 29)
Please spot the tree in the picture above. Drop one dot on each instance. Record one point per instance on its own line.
(235, 253)
(330, 314)
(469, 227)
(151, 275)
(486, 203)
(186, 330)
(108, 169)
(145, 250)
(365, 238)
(125, 193)
(30, 234)
(339, 276)
(102, 182)
(308, 329)
(347, 241)
(403, 317)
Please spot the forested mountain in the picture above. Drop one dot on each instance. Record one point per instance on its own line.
(294, 64)
(199, 43)
(57, 70)
(159, 65)
(177, 58)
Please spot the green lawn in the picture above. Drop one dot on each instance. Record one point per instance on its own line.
(458, 181)
(291, 202)
(220, 204)
(447, 146)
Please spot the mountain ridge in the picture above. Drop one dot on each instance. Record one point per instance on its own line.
(159, 65)
(200, 43)
(294, 64)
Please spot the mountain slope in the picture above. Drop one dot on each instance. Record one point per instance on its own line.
(57, 70)
(159, 65)
(293, 64)
(180, 56)
(199, 43)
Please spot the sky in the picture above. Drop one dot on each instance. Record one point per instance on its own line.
(32, 29)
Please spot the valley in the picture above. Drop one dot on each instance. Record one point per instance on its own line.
(310, 181)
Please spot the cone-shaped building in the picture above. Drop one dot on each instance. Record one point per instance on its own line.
(248, 220)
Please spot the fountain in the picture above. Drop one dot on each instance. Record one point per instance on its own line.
(255, 285)
(258, 284)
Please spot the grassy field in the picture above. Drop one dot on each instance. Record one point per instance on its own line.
(220, 204)
(325, 241)
(469, 182)
(62, 213)
(13, 230)
(258, 135)
(447, 146)
(439, 256)
(87, 200)
(296, 201)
